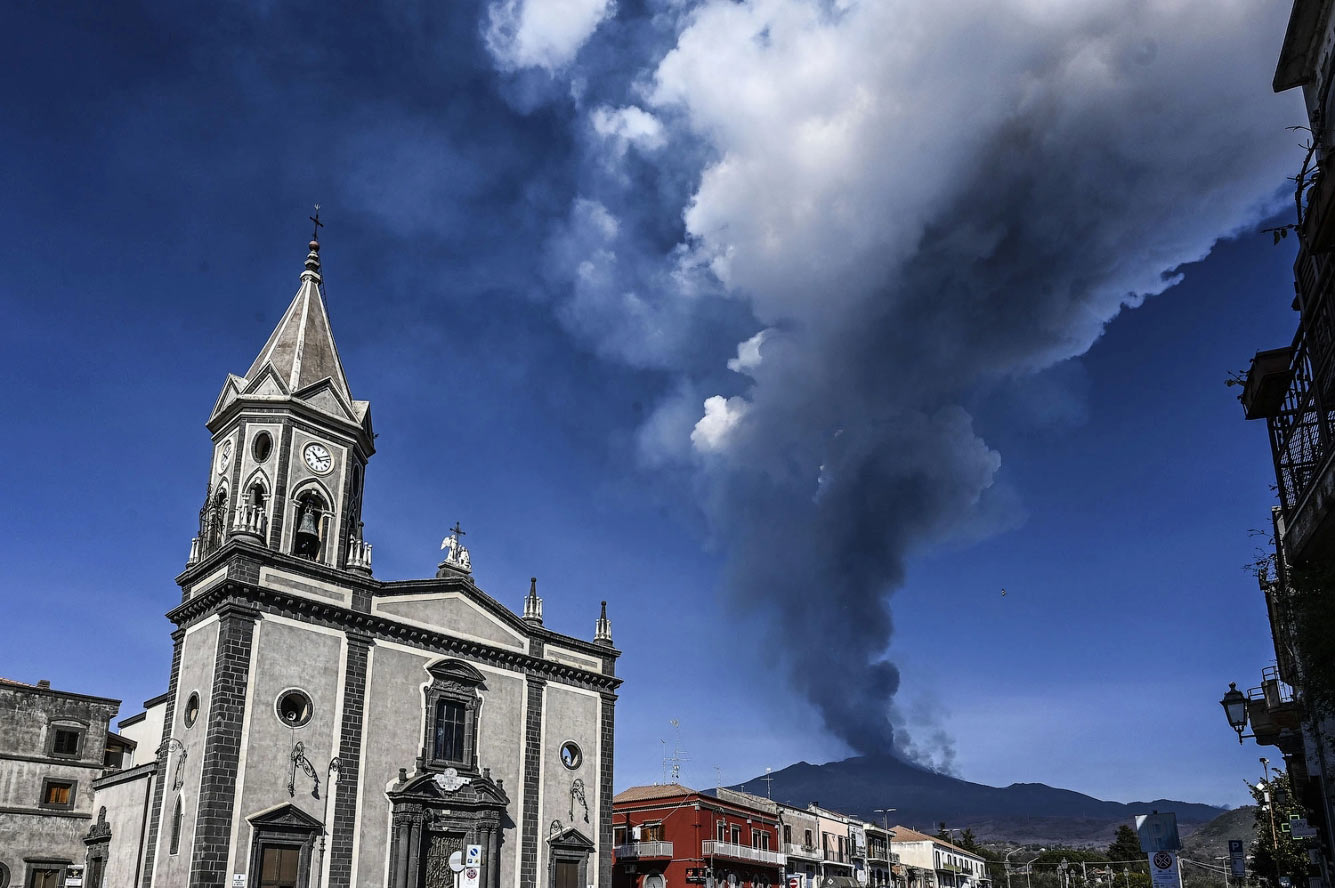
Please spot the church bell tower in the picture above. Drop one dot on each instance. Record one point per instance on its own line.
(290, 444)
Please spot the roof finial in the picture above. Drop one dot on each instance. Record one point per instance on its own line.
(313, 257)
(602, 633)
(532, 603)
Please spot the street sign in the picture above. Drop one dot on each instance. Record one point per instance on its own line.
(1158, 832)
(1164, 872)
(1300, 828)
(1236, 862)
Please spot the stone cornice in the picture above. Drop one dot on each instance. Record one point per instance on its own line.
(245, 597)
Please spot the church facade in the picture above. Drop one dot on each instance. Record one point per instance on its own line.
(324, 728)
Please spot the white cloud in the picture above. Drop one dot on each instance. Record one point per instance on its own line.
(542, 33)
(628, 126)
(722, 415)
(748, 354)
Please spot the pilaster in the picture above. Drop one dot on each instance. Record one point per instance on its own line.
(528, 847)
(344, 827)
(159, 780)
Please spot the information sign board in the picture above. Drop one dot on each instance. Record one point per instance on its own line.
(1237, 863)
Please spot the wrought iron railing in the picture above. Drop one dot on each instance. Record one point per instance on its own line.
(636, 850)
(741, 852)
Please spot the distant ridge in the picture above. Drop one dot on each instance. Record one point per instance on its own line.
(1021, 812)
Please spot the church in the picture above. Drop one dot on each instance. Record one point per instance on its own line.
(323, 728)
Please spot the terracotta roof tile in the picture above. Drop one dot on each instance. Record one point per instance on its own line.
(644, 793)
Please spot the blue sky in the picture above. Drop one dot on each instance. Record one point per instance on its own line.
(547, 237)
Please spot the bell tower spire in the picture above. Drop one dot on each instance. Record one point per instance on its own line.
(291, 444)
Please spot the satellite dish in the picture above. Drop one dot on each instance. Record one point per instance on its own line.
(456, 862)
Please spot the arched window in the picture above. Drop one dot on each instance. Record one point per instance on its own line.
(258, 495)
(176, 828)
(308, 539)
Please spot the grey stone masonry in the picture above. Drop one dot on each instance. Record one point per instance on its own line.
(159, 782)
(528, 851)
(344, 827)
(606, 739)
(222, 746)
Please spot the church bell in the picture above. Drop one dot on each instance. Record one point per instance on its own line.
(308, 534)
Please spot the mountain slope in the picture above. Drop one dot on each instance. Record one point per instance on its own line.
(1019, 812)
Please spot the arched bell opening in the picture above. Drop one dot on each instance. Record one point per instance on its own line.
(313, 518)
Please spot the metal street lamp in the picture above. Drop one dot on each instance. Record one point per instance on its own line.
(1235, 708)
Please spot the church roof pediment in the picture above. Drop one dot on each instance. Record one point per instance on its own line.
(231, 389)
(265, 383)
(324, 396)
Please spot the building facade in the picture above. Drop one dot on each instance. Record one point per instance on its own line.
(669, 836)
(53, 746)
(324, 728)
(1293, 389)
(929, 862)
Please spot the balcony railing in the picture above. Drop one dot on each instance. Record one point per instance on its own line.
(359, 556)
(808, 852)
(835, 856)
(742, 852)
(642, 850)
(1293, 388)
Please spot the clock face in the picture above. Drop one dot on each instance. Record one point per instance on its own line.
(225, 456)
(317, 457)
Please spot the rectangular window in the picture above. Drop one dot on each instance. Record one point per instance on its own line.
(736, 834)
(764, 841)
(651, 832)
(449, 745)
(787, 834)
(755, 838)
(722, 830)
(806, 839)
(44, 877)
(65, 742)
(618, 835)
(278, 867)
(57, 793)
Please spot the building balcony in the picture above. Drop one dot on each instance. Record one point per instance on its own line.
(802, 852)
(1293, 389)
(1275, 717)
(643, 850)
(836, 857)
(742, 852)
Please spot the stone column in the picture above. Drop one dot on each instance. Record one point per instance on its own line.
(494, 854)
(159, 779)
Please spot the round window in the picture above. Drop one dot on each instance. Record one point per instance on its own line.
(191, 710)
(294, 708)
(571, 756)
(655, 880)
(4, 876)
(262, 447)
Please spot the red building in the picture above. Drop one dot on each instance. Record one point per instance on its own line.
(672, 836)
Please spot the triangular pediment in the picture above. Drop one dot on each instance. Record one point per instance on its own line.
(325, 397)
(573, 840)
(231, 388)
(454, 611)
(288, 817)
(266, 383)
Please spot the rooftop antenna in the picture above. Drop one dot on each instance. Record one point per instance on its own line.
(665, 760)
(718, 778)
(678, 754)
(769, 782)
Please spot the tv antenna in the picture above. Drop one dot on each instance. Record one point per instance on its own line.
(769, 782)
(678, 754)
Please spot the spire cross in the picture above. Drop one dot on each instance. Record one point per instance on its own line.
(315, 235)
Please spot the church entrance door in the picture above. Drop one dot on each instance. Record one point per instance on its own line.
(567, 874)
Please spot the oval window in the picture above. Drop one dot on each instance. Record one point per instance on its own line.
(262, 447)
(191, 710)
(571, 756)
(294, 708)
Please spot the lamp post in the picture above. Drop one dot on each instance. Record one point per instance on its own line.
(1029, 869)
(1007, 864)
(889, 840)
(1269, 796)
